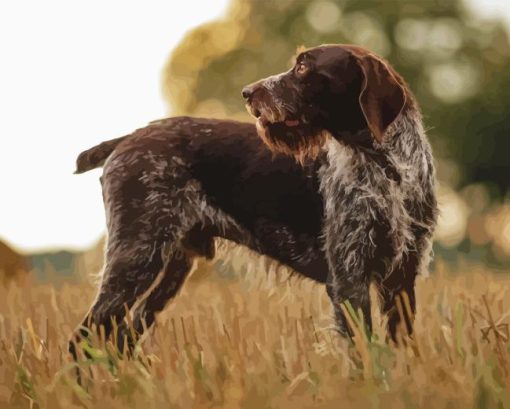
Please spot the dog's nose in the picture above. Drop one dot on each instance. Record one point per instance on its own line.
(247, 92)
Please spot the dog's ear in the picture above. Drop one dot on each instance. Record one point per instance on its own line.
(382, 97)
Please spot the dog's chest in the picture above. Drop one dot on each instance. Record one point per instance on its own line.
(346, 169)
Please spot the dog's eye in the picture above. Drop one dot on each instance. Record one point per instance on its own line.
(301, 69)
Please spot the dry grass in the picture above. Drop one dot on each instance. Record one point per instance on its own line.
(262, 343)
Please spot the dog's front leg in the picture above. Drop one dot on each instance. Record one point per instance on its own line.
(350, 246)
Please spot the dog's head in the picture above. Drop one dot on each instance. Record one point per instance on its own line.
(330, 90)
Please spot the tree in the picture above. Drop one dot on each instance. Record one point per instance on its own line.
(456, 63)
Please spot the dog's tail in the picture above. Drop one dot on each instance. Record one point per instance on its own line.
(95, 157)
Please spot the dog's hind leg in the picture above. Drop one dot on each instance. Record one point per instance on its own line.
(127, 275)
(198, 242)
(176, 270)
(145, 211)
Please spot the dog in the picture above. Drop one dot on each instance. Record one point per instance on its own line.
(335, 180)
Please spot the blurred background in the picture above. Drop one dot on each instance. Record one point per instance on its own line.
(120, 66)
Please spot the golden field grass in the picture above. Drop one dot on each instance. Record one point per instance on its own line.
(262, 341)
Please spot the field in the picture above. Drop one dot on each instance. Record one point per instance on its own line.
(262, 340)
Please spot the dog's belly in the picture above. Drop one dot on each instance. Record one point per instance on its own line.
(300, 251)
(272, 197)
(277, 225)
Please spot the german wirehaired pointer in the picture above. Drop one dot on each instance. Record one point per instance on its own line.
(336, 180)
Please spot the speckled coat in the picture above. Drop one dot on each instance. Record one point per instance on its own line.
(360, 210)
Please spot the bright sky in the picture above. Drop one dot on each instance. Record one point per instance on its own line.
(73, 74)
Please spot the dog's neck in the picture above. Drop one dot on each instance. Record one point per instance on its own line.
(404, 138)
(361, 147)
(361, 138)
(360, 142)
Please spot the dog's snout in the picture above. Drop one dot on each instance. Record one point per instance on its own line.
(247, 92)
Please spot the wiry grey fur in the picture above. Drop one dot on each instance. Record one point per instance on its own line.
(361, 211)
(379, 217)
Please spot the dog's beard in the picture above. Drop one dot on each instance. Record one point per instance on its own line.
(293, 138)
